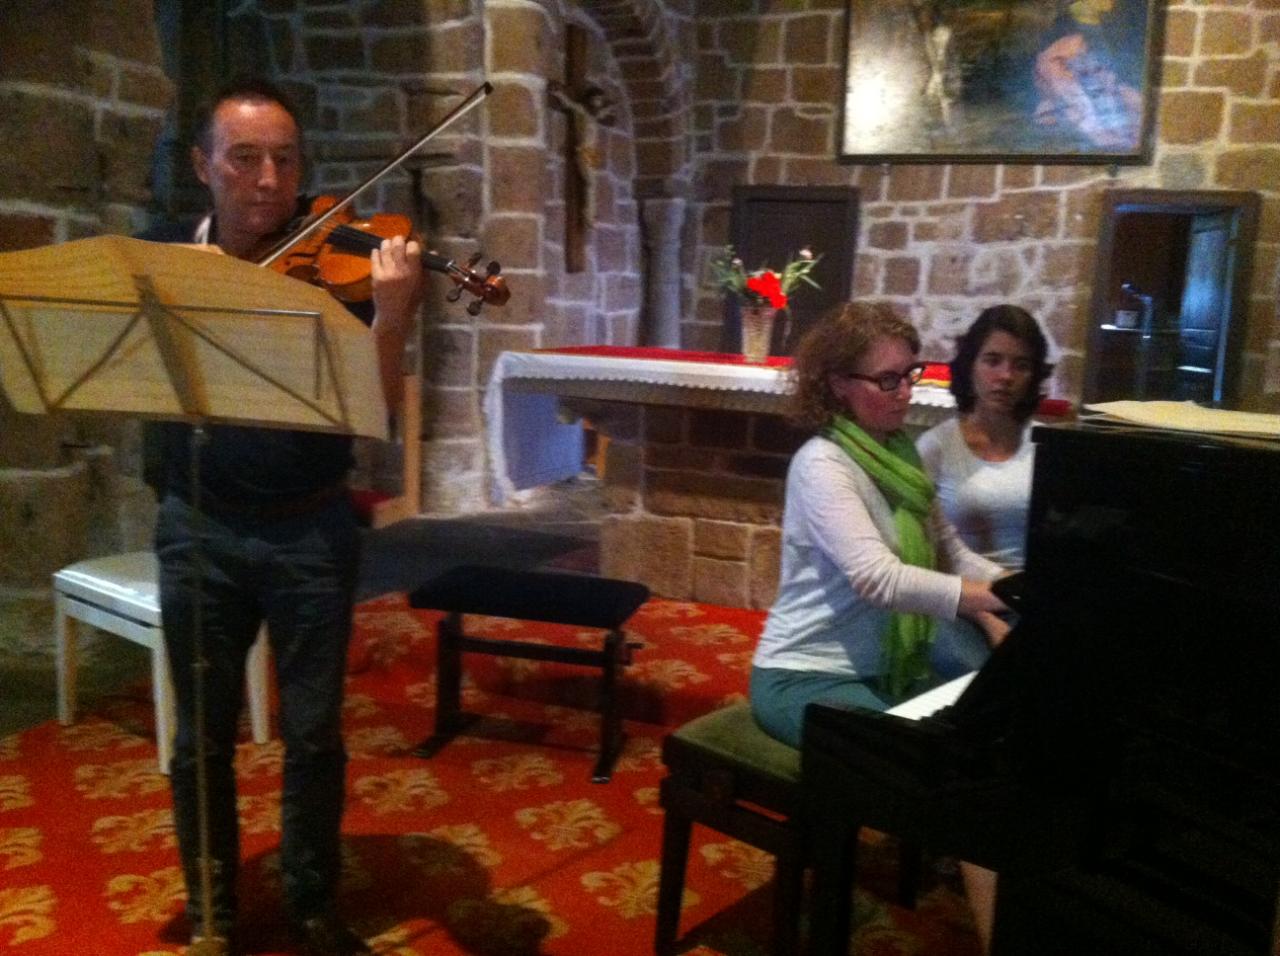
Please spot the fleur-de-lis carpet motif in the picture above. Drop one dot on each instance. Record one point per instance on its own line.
(135, 832)
(15, 792)
(572, 824)
(20, 846)
(26, 913)
(499, 845)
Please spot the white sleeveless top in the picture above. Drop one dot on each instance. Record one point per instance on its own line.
(986, 501)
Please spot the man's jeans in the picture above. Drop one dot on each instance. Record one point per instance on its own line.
(298, 573)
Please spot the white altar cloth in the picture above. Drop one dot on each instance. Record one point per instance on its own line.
(530, 444)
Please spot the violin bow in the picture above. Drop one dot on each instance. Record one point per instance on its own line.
(472, 100)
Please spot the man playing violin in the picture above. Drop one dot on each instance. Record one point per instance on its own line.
(277, 542)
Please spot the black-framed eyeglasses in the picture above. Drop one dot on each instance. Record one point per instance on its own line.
(889, 381)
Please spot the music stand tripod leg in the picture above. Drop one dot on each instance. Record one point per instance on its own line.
(200, 666)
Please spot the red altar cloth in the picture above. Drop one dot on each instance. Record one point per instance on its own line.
(667, 355)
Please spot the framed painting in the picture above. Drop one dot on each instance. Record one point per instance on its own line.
(1034, 81)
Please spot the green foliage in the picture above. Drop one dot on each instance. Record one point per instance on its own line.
(730, 274)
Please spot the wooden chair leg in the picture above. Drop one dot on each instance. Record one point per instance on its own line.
(910, 864)
(448, 673)
(832, 850)
(66, 652)
(165, 705)
(788, 900)
(676, 828)
(257, 687)
(449, 717)
(615, 647)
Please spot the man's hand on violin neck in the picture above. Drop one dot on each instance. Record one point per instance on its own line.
(397, 281)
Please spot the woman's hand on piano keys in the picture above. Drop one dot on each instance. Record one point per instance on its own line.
(980, 605)
(976, 597)
(993, 626)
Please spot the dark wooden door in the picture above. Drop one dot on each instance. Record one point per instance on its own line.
(769, 226)
(1204, 306)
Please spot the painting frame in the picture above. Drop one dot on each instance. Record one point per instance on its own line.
(985, 81)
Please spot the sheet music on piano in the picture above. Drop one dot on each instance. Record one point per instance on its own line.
(1185, 417)
(932, 701)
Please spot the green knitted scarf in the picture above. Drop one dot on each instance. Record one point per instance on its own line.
(895, 468)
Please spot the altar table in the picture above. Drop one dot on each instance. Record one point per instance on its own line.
(531, 444)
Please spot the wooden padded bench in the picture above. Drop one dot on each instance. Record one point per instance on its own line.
(727, 774)
(572, 599)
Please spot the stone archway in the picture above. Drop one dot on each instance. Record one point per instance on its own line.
(647, 39)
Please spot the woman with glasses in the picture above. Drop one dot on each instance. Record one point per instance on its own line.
(980, 462)
(877, 598)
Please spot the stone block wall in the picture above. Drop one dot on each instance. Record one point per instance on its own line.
(695, 498)
(944, 241)
(940, 241)
(373, 77)
(82, 98)
(370, 79)
(529, 160)
(708, 95)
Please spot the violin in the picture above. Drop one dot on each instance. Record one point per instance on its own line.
(336, 258)
(331, 248)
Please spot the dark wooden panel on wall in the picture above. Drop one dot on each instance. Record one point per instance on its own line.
(769, 226)
(195, 49)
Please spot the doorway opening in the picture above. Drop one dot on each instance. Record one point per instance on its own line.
(1170, 297)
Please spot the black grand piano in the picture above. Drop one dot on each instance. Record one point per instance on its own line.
(1118, 759)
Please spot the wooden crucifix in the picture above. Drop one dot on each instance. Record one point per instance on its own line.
(586, 108)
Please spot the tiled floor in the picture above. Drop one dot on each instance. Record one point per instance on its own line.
(573, 508)
(555, 527)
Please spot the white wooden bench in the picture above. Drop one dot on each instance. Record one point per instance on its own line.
(118, 594)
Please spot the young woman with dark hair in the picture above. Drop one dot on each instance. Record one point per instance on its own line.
(980, 461)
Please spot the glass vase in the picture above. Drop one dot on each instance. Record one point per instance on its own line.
(757, 331)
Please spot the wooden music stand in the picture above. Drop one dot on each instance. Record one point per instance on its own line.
(120, 325)
(112, 324)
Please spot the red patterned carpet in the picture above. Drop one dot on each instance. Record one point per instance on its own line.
(498, 845)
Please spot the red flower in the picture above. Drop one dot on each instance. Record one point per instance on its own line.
(767, 286)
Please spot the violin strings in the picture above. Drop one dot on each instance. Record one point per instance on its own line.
(356, 239)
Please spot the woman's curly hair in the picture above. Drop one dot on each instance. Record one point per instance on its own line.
(1017, 322)
(834, 345)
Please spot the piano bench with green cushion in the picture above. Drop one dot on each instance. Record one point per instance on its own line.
(725, 773)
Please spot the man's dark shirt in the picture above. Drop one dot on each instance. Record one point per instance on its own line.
(243, 467)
